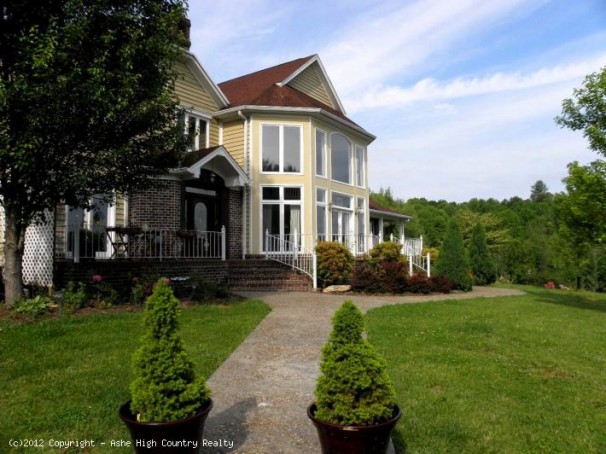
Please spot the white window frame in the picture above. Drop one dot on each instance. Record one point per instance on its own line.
(282, 202)
(85, 223)
(324, 206)
(198, 117)
(323, 154)
(360, 167)
(346, 231)
(350, 160)
(281, 127)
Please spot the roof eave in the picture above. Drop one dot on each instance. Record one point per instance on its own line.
(389, 214)
(308, 110)
(205, 79)
(332, 93)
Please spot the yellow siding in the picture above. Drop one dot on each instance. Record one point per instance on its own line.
(309, 82)
(214, 133)
(190, 93)
(233, 140)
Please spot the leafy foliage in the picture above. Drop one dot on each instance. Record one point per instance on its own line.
(389, 251)
(354, 388)
(335, 263)
(85, 105)
(74, 298)
(452, 262)
(33, 307)
(482, 264)
(165, 387)
(586, 111)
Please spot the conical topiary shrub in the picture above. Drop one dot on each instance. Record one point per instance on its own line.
(452, 262)
(165, 387)
(354, 388)
(482, 264)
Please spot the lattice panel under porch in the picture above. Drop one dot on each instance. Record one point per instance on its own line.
(38, 254)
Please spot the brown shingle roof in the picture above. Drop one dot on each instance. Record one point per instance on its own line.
(245, 89)
(260, 89)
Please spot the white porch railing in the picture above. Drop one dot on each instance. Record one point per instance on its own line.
(136, 243)
(298, 251)
(290, 251)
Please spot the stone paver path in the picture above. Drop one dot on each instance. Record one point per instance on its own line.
(262, 391)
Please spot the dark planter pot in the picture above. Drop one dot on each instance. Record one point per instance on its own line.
(182, 436)
(337, 439)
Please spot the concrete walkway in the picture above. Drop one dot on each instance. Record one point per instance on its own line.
(262, 391)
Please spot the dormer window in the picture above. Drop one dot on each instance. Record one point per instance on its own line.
(196, 129)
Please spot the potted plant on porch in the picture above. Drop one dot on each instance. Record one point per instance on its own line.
(355, 407)
(169, 405)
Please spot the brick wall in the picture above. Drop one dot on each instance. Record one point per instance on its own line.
(120, 272)
(158, 207)
(234, 223)
(250, 274)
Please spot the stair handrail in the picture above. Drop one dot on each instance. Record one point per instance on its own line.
(293, 254)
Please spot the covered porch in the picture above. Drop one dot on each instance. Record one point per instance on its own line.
(188, 215)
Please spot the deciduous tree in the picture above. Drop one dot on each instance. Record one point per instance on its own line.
(586, 111)
(85, 105)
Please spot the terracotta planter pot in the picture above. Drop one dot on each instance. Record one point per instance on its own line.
(182, 436)
(337, 439)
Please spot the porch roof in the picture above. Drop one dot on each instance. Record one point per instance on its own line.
(215, 159)
(376, 210)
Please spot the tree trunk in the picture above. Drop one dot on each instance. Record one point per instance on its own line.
(14, 242)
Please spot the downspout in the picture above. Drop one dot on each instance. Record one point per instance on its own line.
(246, 188)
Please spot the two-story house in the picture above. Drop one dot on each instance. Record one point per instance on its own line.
(275, 166)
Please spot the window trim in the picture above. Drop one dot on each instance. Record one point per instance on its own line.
(282, 202)
(281, 148)
(187, 113)
(324, 153)
(325, 205)
(362, 149)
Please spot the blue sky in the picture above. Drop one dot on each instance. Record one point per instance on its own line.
(460, 94)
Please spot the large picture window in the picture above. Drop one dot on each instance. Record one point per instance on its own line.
(340, 158)
(281, 216)
(281, 148)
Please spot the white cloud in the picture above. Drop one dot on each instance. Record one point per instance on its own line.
(429, 89)
(380, 45)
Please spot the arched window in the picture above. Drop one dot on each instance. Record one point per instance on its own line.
(340, 158)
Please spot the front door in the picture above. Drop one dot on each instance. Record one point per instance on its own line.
(201, 214)
(203, 220)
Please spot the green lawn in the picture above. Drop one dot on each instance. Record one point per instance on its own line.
(517, 375)
(64, 379)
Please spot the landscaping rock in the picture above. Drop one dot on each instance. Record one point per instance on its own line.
(337, 289)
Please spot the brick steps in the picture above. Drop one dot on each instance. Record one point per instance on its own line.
(266, 275)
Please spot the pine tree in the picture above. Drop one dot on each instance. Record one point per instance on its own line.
(452, 263)
(483, 265)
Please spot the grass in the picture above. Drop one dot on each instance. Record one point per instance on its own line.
(64, 379)
(517, 375)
